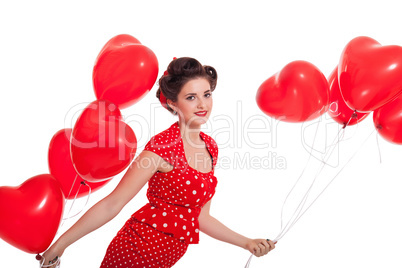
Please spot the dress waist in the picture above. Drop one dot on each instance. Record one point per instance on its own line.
(176, 220)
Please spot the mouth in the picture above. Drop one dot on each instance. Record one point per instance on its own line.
(202, 113)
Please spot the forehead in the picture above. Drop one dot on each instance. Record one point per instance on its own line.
(198, 85)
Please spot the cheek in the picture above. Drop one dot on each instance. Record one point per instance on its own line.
(210, 103)
(187, 108)
(190, 106)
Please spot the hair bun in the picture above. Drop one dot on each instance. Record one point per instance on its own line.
(211, 71)
(185, 67)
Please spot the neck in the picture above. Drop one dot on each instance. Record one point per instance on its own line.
(190, 134)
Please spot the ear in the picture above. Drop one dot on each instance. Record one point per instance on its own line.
(171, 104)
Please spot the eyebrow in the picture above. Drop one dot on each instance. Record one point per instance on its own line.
(193, 94)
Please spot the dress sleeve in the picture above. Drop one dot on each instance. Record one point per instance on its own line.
(165, 151)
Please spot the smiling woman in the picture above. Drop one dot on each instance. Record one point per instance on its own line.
(180, 174)
(195, 98)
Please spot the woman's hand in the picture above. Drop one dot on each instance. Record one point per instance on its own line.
(260, 247)
(51, 256)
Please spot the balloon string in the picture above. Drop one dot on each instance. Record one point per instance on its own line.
(304, 199)
(300, 176)
(248, 262)
(338, 138)
(71, 189)
(72, 185)
(353, 116)
(75, 198)
(72, 204)
(305, 167)
(379, 149)
(249, 259)
(297, 181)
(298, 212)
(299, 209)
(324, 160)
(43, 265)
(296, 215)
(350, 159)
(65, 203)
(336, 175)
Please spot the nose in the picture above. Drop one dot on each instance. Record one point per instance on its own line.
(201, 103)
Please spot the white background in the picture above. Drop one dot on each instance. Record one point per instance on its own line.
(47, 52)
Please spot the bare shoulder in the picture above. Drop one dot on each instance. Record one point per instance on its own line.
(148, 159)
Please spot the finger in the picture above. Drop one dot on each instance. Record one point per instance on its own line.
(271, 244)
(266, 246)
(257, 251)
(54, 261)
(42, 261)
(261, 249)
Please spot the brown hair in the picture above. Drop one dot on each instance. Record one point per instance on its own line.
(179, 72)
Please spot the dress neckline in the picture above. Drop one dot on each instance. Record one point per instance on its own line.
(184, 153)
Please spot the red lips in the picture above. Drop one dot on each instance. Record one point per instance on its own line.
(202, 113)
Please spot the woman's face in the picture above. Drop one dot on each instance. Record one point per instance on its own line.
(194, 102)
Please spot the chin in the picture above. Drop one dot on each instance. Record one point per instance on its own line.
(196, 122)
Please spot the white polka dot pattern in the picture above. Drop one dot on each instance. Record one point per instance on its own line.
(159, 233)
(139, 245)
(177, 196)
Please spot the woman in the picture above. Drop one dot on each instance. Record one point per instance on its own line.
(178, 165)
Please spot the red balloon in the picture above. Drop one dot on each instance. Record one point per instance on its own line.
(102, 145)
(338, 109)
(31, 213)
(369, 74)
(124, 71)
(298, 93)
(61, 167)
(388, 120)
(118, 41)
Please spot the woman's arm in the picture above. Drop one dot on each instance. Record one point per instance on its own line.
(214, 228)
(106, 209)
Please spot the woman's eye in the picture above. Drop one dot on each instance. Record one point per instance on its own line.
(208, 95)
(190, 98)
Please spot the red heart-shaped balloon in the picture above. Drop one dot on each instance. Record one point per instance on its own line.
(61, 167)
(338, 109)
(102, 145)
(298, 93)
(388, 120)
(118, 41)
(369, 74)
(31, 213)
(124, 71)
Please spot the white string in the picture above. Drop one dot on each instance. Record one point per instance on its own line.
(57, 263)
(89, 193)
(378, 146)
(285, 201)
(43, 265)
(72, 204)
(249, 259)
(298, 212)
(303, 201)
(72, 186)
(305, 167)
(75, 197)
(65, 203)
(336, 175)
(248, 262)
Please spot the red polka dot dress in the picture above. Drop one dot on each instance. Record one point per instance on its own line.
(158, 234)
